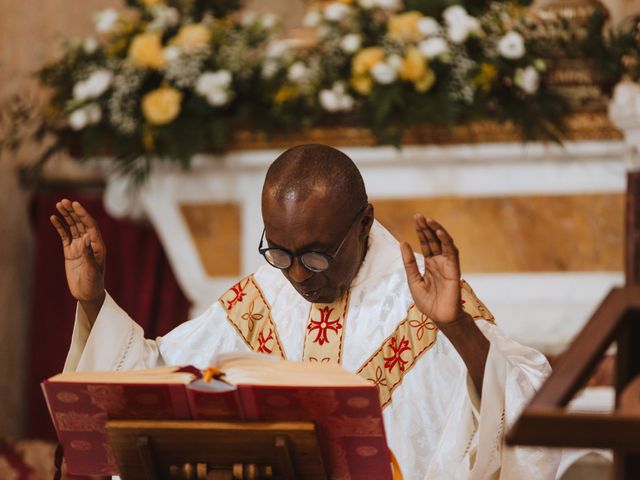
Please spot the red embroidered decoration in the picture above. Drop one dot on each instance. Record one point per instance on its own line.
(396, 356)
(323, 325)
(262, 347)
(238, 289)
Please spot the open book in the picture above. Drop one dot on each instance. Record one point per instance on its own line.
(344, 407)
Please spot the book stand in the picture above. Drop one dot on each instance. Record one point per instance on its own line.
(207, 450)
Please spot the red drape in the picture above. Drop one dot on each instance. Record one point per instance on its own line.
(138, 277)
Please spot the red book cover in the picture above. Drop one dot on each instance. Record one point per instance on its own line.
(80, 411)
(348, 420)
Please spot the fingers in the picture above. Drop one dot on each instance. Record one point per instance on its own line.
(429, 242)
(64, 208)
(410, 265)
(62, 229)
(88, 223)
(444, 239)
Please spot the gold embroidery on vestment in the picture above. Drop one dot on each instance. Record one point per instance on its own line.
(324, 335)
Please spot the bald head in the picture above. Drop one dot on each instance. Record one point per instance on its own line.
(314, 201)
(310, 170)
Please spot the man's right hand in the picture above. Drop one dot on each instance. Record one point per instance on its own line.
(84, 255)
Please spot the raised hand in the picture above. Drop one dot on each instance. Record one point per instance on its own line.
(437, 292)
(84, 254)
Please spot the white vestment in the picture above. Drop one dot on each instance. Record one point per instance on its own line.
(435, 424)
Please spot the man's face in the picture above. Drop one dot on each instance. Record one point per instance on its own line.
(318, 224)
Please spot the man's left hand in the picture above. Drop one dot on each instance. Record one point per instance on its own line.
(437, 292)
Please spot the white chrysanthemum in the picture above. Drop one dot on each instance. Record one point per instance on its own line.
(384, 73)
(528, 79)
(511, 46)
(336, 11)
(434, 47)
(351, 42)
(298, 73)
(428, 26)
(90, 45)
(94, 86)
(105, 20)
(312, 19)
(459, 24)
(218, 98)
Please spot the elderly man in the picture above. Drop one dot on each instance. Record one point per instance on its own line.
(339, 288)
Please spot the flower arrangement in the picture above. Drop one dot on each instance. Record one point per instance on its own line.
(170, 78)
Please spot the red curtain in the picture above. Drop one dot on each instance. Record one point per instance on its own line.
(138, 277)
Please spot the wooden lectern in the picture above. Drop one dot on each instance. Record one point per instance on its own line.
(546, 422)
(206, 450)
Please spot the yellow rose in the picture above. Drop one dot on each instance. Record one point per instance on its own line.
(415, 69)
(161, 106)
(404, 27)
(146, 50)
(366, 59)
(192, 35)
(362, 84)
(286, 93)
(486, 77)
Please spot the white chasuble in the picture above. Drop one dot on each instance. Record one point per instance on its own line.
(435, 423)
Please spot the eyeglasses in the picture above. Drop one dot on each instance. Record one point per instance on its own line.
(314, 261)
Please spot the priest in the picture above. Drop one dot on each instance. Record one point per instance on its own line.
(338, 287)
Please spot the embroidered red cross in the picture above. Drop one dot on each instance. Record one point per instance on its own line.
(263, 348)
(239, 292)
(323, 325)
(396, 356)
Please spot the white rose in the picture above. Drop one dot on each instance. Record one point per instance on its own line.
(269, 68)
(248, 18)
(395, 62)
(268, 21)
(336, 11)
(90, 45)
(367, 4)
(329, 100)
(276, 49)
(428, 26)
(528, 79)
(171, 53)
(94, 113)
(312, 19)
(78, 119)
(217, 97)
(98, 82)
(105, 20)
(346, 102)
(511, 46)
(298, 72)
(388, 4)
(209, 82)
(434, 47)
(383, 73)
(351, 42)
(459, 24)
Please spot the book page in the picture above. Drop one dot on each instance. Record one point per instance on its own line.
(158, 375)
